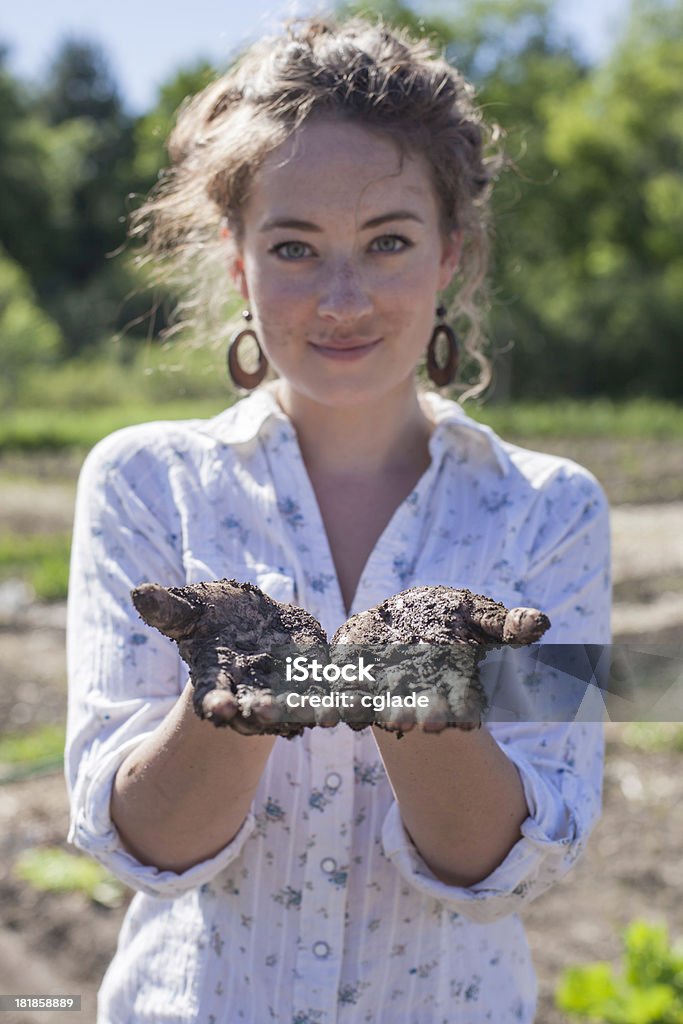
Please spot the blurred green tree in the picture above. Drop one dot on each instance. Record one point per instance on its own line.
(28, 336)
(591, 258)
(26, 201)
(153, 305)
(587, 282)
(85, 289)
(153, 128)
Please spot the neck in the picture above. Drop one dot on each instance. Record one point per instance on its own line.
(390, 435)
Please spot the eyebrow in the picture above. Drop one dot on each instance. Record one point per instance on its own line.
(305, 225)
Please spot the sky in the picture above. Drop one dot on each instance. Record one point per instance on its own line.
(147, 40)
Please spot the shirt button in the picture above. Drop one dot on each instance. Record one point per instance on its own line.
(328, 864)
(333, 780)
(321, 949)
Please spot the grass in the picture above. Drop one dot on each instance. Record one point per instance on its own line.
(639, 418)
(32, 430)
(52, 869)
(31, 753)
(41, 560)
(59, 429)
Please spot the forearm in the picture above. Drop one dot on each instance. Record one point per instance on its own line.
(461, 799)
(185, 791)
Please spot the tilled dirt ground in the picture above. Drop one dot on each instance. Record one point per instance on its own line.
(52, 943)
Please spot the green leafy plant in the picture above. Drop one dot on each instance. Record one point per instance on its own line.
(51, 869)
(648, 991)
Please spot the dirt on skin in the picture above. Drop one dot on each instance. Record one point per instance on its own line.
(234, 638)
(226, 631)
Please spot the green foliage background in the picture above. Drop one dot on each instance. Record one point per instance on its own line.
(587, 275)
(649, 991)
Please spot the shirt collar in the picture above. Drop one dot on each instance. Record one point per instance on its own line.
(248, 417)
(260, 412)
(454, 426)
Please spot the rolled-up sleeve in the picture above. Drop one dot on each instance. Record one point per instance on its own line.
(124, 677)
(566, 554)
(563, 807)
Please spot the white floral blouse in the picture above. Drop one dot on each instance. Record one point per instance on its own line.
(321, 910)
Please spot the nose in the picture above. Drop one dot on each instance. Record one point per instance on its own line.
(344, 295)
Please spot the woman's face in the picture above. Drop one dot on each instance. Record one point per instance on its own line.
(341, 260)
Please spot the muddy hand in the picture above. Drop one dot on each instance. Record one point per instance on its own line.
(430, 641)
(225, 631)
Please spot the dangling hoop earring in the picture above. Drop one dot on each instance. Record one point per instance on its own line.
(241, 377)
(446, 374)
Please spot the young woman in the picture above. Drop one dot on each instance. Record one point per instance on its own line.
(341, 876)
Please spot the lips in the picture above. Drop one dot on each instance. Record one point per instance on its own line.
(347, 344)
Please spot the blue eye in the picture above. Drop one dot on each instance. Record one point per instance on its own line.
(291, 250)
(388, 243)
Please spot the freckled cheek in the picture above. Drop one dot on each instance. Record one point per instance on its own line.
(412, 287)
(407, 330)
(286, 307)
(276, 335)
(282, 309)
(282, 332)
(409, 303)
(281, 296)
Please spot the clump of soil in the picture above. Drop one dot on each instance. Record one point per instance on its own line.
(429, 641)
(226, 632)
(443, 615)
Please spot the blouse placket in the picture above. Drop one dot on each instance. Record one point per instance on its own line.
(320, 944)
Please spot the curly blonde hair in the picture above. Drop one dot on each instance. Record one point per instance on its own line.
(364, 71)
